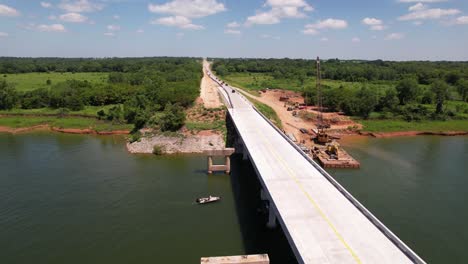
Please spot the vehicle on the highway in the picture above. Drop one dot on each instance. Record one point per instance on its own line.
(233, 91)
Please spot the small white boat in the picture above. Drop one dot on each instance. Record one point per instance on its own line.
(209, 199)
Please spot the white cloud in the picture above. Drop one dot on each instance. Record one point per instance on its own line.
(417, 7)
(310, 31)
(183, 11)
(280, 9)
(3, 35)
(52, 17)
(177, 21)
(265, 18)
(324, 39)
(377, 27)
(374, 23)
(51, 28)
(394, 36)
(109, 34)
(140, 31)
(188, 8)
(46, 4)
(73, 18)
(434, 13)
(422, 1)
(417, 23)
(355, 40)
(8, 11)
(116, 17)
(233, 25)
(232, 31)
(330, 23)
(80, 6)
(180, 35)
(113, 27)
(371, 21)
(463, 20)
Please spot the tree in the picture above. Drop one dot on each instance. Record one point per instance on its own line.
(452, 78)
(389, 100)
(440, 89)
(367, 100)
(8, 96)
(407, 90)
(462, 87)
(173, 118)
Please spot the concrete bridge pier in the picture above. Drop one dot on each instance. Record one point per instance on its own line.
(226, 153)
(271, 211)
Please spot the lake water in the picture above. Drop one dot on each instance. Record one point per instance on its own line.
(84, 199)
(418, 187)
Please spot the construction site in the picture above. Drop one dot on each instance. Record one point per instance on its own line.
(316, 131)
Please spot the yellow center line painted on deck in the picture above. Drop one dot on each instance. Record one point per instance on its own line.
(309, 197)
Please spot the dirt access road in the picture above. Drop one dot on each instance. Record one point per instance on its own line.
(292, 124)
(209, 90)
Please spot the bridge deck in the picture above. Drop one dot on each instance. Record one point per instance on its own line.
(321, 224)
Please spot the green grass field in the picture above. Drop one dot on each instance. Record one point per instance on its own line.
(68, 122)
(31, 81)
(400, 125)
(90, 111)
(258, 81)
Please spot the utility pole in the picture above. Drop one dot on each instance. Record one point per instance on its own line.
(319, 93)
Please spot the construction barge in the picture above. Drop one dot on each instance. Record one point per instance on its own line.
(341, 161)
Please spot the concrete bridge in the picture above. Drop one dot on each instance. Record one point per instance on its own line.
(321, 220)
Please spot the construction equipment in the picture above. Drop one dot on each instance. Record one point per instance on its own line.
(332, 150)
(322, 136)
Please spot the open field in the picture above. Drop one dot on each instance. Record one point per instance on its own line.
(258, 81)
(31, 81)
(67, 122)
(88, 110)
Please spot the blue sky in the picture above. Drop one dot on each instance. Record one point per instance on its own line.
(357, 29)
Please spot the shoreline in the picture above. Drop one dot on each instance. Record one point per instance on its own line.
(411, 133)
(86, 131)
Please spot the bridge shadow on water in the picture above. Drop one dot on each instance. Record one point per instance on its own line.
(252, 215)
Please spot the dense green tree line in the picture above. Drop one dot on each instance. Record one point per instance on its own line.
(413, 86)
(156, 89)
(25, 65)
(352, 71)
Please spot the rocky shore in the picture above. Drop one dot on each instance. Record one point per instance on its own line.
(182, 144)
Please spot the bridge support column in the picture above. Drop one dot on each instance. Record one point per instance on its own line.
(226, 153)
(245, 155)
(271, 217)
(271, 212)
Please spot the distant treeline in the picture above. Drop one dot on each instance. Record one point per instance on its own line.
(147, 90)
(9, 65)
(414, 90)
(345, 70)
